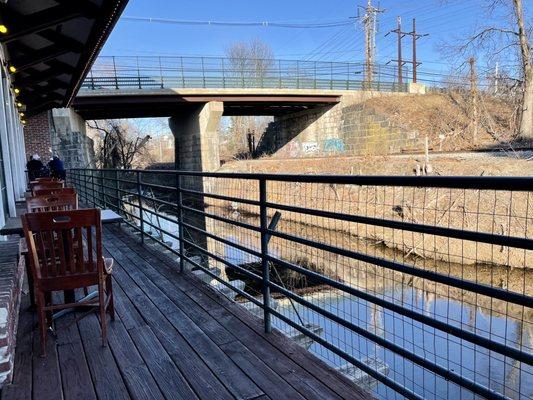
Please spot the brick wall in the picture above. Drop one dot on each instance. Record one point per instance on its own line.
(38, 136)
(11, 278)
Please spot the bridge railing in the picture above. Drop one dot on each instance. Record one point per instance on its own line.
(416, 287)
(123, 73)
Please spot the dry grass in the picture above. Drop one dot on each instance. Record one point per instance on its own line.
(450, 116)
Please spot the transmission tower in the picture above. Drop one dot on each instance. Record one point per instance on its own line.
(370, 23)
(400, 61)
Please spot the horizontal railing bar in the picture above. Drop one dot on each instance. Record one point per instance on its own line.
(155, 185)
(511, 241)
(424, 319)
(225, 241)
(223, 219)
(351, 359)
(485, 290)
(223, 261)
(222, 197)
(419, 360)
(241, 292)
(511, 183)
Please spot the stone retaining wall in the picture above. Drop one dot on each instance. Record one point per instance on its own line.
(348, 128)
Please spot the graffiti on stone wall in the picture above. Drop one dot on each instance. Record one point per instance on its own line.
(309, 148)
(335, 146)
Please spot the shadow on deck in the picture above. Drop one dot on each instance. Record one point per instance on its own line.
(174, 338)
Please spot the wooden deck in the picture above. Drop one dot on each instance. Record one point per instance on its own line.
(174, 338)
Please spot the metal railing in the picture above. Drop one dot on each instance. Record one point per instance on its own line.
(417, 287)
(123, 73)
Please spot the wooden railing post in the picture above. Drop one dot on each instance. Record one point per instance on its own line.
(264, 253)
(180, 220)
(139, 197)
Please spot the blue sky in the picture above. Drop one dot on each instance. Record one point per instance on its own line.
(443, 22)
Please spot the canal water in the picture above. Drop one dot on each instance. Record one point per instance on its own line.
(490, 318)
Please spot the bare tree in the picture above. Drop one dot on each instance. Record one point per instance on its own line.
(118, 147)
(509, 40)
(250, 62)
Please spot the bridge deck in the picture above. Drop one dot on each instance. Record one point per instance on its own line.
(173, 338)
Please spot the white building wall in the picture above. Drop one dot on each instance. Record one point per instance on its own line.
(12, 145)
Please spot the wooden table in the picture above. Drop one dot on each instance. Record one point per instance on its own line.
(13, 226)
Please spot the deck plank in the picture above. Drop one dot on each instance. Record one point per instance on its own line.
(174, 338)
(198, 375)
(291, 372)
(105, 373)
(323, 382)
(241, 386)
(169, 378)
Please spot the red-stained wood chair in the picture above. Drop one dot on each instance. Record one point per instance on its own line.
(60, 191)
(46, 185)
(63, 202)
(60, 261)
(45, 179)
(59, 202)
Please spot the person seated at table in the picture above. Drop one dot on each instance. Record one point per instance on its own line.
(34, 167)
(57, 169)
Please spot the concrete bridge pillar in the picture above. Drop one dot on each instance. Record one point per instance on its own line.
(197, 138)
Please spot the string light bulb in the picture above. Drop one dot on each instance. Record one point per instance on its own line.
(12, 69)
(19, 104)
(3, 29)
(16, 90)
(21, 114)
(23, 122)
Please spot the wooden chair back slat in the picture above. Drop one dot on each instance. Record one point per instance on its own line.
(60, 202)
(89, 236)
(56, 192)
(55, 242)
(46, 185)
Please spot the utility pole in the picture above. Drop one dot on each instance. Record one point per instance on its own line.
(473, 95)
(400, 61)
(370, 24)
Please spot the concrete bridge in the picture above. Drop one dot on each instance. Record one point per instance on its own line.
(313, 104)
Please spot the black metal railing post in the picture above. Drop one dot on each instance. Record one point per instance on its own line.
(93, 197)
(139, 197)
(85, 196)
(264, 254)
(180, 221)
(115, 73)
(117, 204)
(102, 189)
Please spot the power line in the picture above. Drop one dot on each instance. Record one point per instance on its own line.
(265, 24)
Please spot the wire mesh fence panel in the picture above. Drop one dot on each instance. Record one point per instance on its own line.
(412, 287)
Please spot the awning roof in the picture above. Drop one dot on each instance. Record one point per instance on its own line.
(52, 44)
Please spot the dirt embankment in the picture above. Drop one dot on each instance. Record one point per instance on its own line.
(502, 212)
(447, 119)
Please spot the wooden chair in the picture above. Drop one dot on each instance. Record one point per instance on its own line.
(45, 179)
(60, 261)
(57, 192)
(46, 185)
(59, 202)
